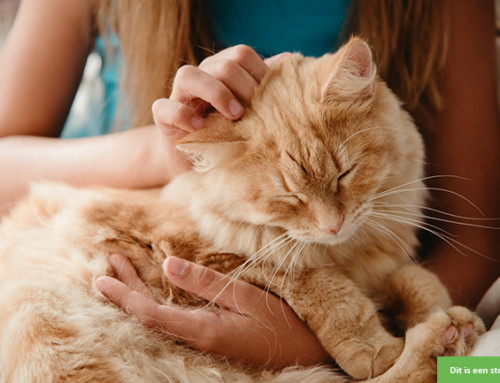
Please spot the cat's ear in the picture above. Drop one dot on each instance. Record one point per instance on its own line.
(353, 74)
(207, 147)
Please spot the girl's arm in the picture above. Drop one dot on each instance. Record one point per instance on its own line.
(132, 159)
(41, 64)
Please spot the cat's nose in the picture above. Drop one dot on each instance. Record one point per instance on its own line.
(335, 228)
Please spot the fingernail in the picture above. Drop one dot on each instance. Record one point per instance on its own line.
(235, 108)
(155, 104)
(101, 285)
(116, 262)
(197, 123)
(114, 259)
(175, 266)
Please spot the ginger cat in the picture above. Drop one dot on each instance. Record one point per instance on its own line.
(317, 189)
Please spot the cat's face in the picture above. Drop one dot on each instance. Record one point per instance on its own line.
(322, 192)
(320, 142)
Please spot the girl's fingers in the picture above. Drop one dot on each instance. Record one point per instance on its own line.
(245, 57)
(233, 76)
(220, 81)
(237, 296)
(269, 333)
(273, 60)
(126, 273)
(146, 310)
(193, 83)
(130, 301)
(176, 116)
(184, 325)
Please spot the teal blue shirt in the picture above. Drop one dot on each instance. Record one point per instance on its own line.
(270, 27)
(311, 27)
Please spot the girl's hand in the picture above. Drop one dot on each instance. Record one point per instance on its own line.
(252, 326)
(222, 81)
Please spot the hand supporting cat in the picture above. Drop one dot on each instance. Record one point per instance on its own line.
(242, 306)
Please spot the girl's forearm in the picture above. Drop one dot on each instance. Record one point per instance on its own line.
(131, 159)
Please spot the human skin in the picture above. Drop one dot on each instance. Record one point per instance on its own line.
(268, 331)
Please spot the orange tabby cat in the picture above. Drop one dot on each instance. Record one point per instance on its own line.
(318, 189)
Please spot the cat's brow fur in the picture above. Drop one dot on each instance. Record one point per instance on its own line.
(294, 197)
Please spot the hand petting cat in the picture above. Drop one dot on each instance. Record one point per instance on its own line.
(222, 81)
(273, 335)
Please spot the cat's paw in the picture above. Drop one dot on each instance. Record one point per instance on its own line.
(463, 331)
(451, 332)
(363, 360)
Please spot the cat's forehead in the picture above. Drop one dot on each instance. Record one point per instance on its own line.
(289, 101)
(289, 118)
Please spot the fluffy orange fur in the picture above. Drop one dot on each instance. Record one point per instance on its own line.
(315, 193)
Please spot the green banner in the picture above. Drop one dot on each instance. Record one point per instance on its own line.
(468, 369)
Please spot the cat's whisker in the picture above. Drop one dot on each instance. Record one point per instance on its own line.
(418, 180)
(402, 188)
(407, 217)
(251, 262)
(293, 262)
(435, 230)
(262, 252)
(418, 223)
(423, 188)
(260, 256)
(405, 248)
(279, 266)
(444, 220)
(441, 234)
(441, 212)
(355, 134)
(297, 250)
(396, 191)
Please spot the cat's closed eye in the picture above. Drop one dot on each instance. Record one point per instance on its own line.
(344, 174)
(293, 198)
(341, 178)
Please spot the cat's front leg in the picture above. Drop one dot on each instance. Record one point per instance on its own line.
(452, 332)
(344, 320)
(412, 294)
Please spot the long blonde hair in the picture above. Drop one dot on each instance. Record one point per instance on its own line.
(158, 36)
